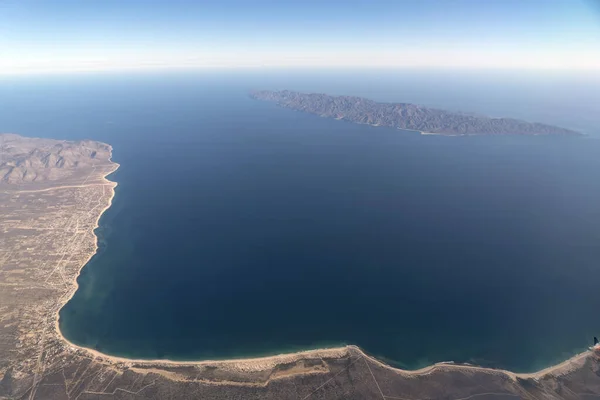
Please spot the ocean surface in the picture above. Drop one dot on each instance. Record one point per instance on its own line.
(242, 229)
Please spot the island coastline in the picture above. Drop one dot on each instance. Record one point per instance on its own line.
(405, 116)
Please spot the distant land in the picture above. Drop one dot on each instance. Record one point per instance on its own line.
(405, 115)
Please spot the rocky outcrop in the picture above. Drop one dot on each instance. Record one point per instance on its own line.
(25, 160)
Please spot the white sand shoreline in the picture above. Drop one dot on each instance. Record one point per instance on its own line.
(268, 362)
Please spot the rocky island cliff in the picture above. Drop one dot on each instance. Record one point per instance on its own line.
(405, 115)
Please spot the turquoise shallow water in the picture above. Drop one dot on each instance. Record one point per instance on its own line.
(241, 229)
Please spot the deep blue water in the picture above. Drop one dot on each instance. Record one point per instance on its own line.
(242, 229)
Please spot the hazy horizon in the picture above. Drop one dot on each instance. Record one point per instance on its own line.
(70, 36)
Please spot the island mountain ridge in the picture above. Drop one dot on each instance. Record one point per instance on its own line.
(405, 116)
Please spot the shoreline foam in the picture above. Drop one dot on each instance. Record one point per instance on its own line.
(267, 362)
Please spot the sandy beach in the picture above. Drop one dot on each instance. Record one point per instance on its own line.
(269, 362)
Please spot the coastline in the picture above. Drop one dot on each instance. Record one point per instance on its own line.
(268, 362)
(242, 364)
(113, 185)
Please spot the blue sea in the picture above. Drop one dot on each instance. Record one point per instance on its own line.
(243, 229)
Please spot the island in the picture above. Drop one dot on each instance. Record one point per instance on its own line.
(52, 194)
(405, 116)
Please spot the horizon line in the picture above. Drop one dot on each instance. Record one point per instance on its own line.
(230, 68)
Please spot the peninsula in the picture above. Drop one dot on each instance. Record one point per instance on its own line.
(52, 194)
(405, 116)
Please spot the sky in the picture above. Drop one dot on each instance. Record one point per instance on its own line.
(42, 36)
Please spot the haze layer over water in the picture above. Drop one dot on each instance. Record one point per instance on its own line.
(242, 229)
